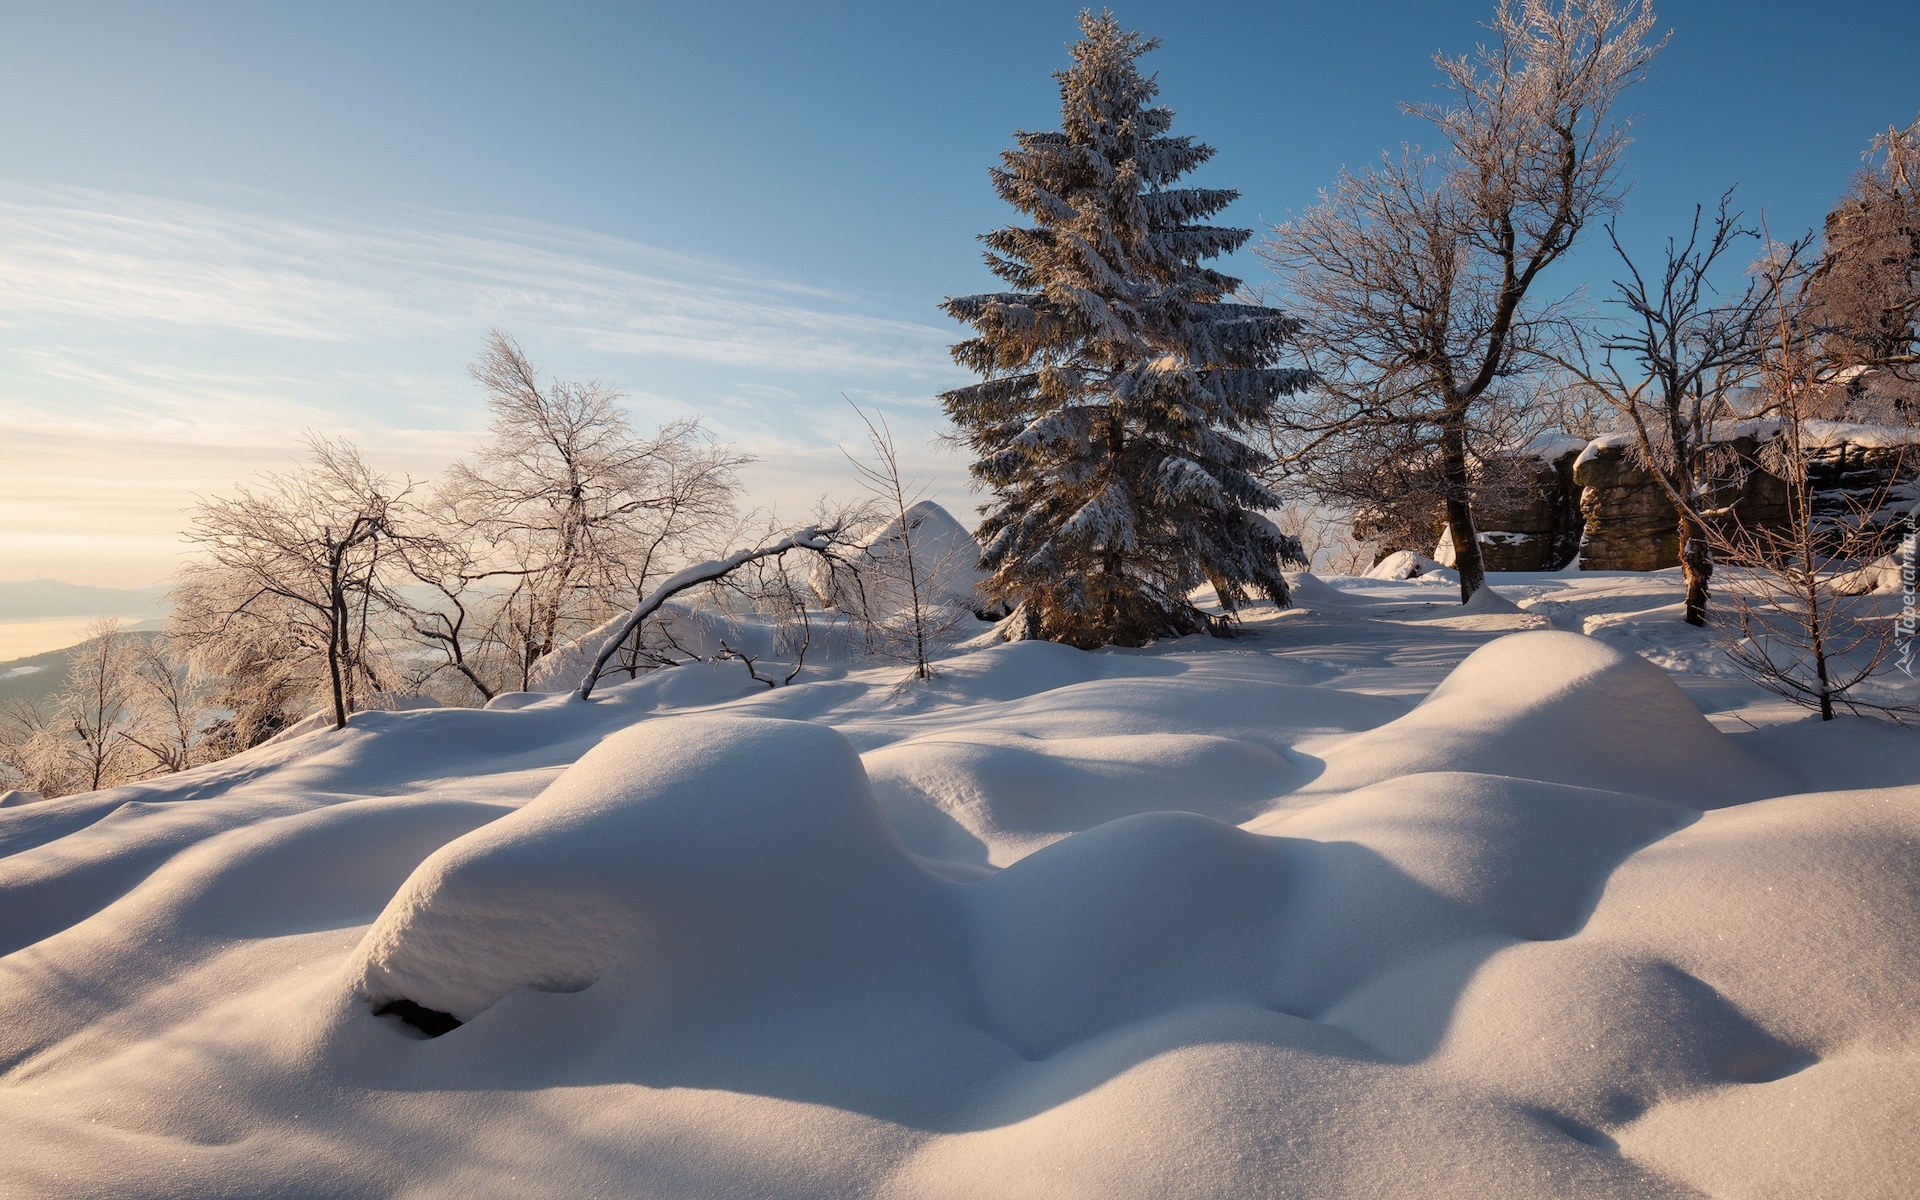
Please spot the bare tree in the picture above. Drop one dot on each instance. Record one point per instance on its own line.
(79, 743)
(167, 715)
(1327, 538)
(308, 554)
(1415, 276)
(898, 564)
(1671, 369)
(578, 516)
(455, 626)
(769, 588)
(1793, 631)
(93, 705)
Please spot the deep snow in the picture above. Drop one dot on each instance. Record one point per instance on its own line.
(1385, 897)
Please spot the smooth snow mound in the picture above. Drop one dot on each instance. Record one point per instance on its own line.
(685, 846)
(1209, 918)
(1486, 601)
(1310, 591)
(1404, 564)
(1561, 708)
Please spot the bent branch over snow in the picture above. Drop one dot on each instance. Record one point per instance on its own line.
(812, 537)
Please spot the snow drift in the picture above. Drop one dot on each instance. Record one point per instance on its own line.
(1407, 564)
(1212, 918)
(1561, 708)
(692, 849)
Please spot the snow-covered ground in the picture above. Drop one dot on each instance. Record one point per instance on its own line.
(1384, 898)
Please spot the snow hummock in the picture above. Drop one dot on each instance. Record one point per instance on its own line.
(694, 850)
(1310, 590)
(1886, 575)
(1406, 564)
(1372, 899)
(1561, 708)
(1486, 601)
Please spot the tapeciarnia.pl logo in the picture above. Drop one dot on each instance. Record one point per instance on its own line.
(1909, 559)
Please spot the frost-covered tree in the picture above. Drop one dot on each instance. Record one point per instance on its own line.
(168, 715)
(305, 559)
(566, 514)
(77, 744)
(1420, 275)
(1118, 376)
(125, 713)
(1865, 295)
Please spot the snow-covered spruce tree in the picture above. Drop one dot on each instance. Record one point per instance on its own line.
(1117, 376)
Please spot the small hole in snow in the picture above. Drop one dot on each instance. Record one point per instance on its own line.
(429, 1021)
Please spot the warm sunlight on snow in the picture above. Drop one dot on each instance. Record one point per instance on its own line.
(1001, 601)
(1181, 921)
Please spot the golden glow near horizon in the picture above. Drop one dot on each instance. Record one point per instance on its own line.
(154, 350)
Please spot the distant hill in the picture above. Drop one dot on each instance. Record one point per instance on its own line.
(38, 676)
(35, 676)
(29, 598)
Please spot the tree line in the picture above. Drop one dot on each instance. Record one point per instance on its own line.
(342, 586)
(334, 587)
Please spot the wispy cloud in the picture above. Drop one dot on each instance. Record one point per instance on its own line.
(69, 254)
(153, 348)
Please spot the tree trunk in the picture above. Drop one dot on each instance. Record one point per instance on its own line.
(1224, 590)
(1816, 626)
(1696, 562)
(337, 621)
(921, 670)
(1466, 539)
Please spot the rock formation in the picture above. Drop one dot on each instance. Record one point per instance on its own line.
(1595, 499)
(1632, 526)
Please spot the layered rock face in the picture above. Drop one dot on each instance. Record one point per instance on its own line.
(1630, 525)
(1535, 524)
(1593, 499)
(1540, 529)
(1850, 474)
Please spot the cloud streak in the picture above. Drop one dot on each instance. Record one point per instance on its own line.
(152, 349)
(71, 255)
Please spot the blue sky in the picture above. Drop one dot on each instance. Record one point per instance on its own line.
(220, 225)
